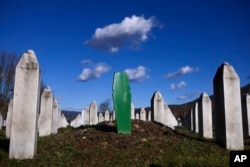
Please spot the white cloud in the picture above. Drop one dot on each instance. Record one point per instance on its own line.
(188, 96)
(180, 85)
(87, 61)
(93, 72)
(182, 71)
(130, 32)
(137, 74)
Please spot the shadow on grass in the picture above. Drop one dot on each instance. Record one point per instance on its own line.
(5, 144)
(104, 127)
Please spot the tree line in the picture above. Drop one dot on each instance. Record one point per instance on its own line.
(8, 62)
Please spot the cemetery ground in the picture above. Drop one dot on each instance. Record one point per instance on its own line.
(150, 144)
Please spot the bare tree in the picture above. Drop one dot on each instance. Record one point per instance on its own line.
(8, 62)
(105, 105)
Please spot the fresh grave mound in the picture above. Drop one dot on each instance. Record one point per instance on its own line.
(100, 145)
(101, 142)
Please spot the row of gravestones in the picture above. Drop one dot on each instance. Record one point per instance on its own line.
(232, 116)
(29, 113)
(50, 116)
(161, 114)
(199, 119)
(26, 104)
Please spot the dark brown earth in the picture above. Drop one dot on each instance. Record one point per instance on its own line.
(149, 144)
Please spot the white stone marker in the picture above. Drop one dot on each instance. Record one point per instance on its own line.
(205, 116)
(45, 116)
(189, 120)
(149, 115)
(93, 120)
(9, 118)
(63, 121)
(55, 120)
(59, 116)
(169, 118)
(113, 115)
(1, 121)
(246, 115)
(77, 122)
(157, 107)
(86, 116)
(83, 116)
(228, 114)
(101, 118)
(143, 114)
(23, 141)
(195, 118)
(137, 116)
(106, 115)
(132, 111)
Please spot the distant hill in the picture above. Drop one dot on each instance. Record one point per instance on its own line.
(182, 109)
(70, 115)
(179, 110)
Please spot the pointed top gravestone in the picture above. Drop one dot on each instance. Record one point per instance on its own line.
(228, 114)
(55, 117)
(23, 138)
(157, 107)
(9, 118)
(143, 114)
(45, 117)
(122, 102)
(106, 115)
(205, 116)
(93, 118)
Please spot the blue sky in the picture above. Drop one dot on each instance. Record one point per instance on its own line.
(171, 46)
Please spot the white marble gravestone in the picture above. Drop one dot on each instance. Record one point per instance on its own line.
(8, 119)
(93, 120)
(113, 115)
(143, 114)
(100, 117)
(137, 116)
(26, 99)
(63, 121)
(228, 114)
(189, 120)
(169, 118)
(55, 117)
(77, 121)
(1, 121)
(157, 108)
(205, 116)
(59, 116)
(246, 115)
(149, 115)
(45, 116)
(132, 111)
(195, 118)
(86, 116)
(106, 115)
